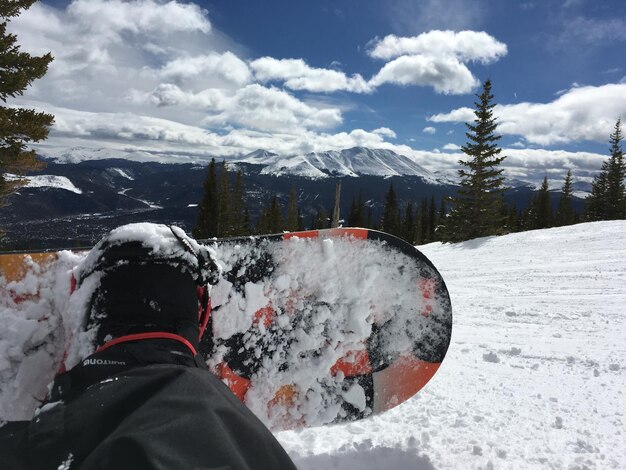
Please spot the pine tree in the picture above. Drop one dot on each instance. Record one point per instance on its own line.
(390, 222)
(615, 197)
(513, 218)
(357, 216)
(543, 206)
(240, 220)
(321, 220)
(441, 219)
(208, 209)
(424, 222)
(432, 219)
(18, 126)
(607, 200)
(596, 201)
(271, 220)
(477, 207)
(225, 214)
(408, 224)
(293, 221)
(565, 213)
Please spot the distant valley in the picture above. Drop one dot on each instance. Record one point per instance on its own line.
(73, 203)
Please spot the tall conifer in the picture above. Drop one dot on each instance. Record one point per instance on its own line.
(607, 200)
(293, 220)
(565, 213)
(18, 126)
(390, 222)
(206, 223)
(477, 208)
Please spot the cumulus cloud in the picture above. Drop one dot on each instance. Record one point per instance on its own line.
(452, 147)
(436, 58)
(464, 45)
(456, 115)
(429, 130)
(297, 75)
(226, 66)
(161, 60)
(582, 113)
(445, 75)
(385, 132)
(258, 107)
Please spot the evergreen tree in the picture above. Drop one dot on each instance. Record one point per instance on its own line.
(565, 213)
(206, 223)
(293, 220)
(543, 206)
(408, 224)
(432, 219)
(607, 200)
(441, 219)
(596, 201)
(271, 220)
(357, 216)
(390, 222)
(225, 216)
(513, 219)
(18, 126)
(424, 222)
(615, 197)
(240, 221)
(477, 207)
(321, 220)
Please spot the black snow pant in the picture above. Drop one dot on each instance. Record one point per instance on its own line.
(142, 405)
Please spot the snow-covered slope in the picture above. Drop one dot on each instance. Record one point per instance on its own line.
(349, 162)
(534, 377)
(47, 181)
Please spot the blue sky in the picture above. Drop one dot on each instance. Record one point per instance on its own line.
(190, 80)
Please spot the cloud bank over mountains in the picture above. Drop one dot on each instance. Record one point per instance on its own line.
(158, 76)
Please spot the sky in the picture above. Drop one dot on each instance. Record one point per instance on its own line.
(193, 80)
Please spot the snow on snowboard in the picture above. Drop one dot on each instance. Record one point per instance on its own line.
(309, 328)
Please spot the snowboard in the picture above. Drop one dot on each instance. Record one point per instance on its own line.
(317, 327)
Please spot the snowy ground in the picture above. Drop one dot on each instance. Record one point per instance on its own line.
(535, 374)
(534, 377)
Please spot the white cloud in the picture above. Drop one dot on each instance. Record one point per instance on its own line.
(429, 130)
(466, 46)
(258, 107)
(385, 132)
(226, 66)
(112, 17)
(583, 113)
(297, 75)
(456, 115)
(445, 74)
(436, 58)
(451, 146)
(158, 60)
(168, 94)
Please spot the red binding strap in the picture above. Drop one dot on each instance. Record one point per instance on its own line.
(152, 335)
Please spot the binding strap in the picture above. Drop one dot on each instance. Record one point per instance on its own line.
(151, 335)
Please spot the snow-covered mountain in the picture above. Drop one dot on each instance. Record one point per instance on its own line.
(533, 379)
(357, 161)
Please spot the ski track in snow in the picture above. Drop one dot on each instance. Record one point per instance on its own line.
(534, 377)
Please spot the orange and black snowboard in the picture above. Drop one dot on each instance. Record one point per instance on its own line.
(318, 327)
